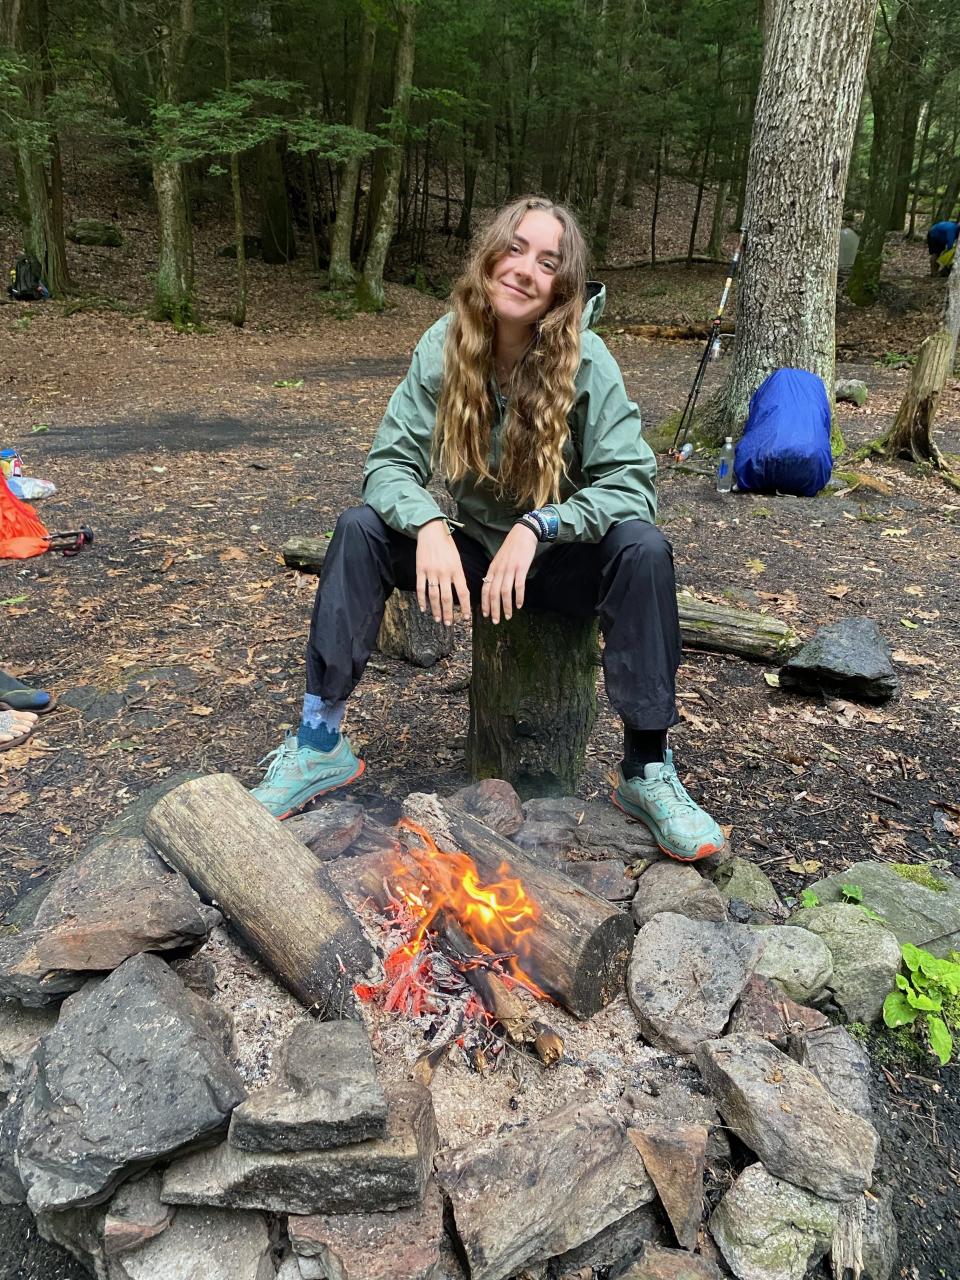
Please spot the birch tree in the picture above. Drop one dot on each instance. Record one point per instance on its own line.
(814, 60)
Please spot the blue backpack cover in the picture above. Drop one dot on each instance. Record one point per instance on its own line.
(785, 446)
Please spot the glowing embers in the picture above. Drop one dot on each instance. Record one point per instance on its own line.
(461, 945)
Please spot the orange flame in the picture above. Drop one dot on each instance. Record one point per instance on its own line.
(498, 917)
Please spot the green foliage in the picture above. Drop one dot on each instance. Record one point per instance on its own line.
(927, 998)
(808, 898)
(851, 893)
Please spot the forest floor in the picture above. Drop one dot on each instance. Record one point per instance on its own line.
(176, 641)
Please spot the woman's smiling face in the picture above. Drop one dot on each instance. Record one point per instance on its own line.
(523, 279)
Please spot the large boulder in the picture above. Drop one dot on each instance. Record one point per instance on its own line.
(94, 231)
(783, 1113)
(202, 1244)
(20, 1033)
(686, 975)
(133, 1071)
(865, 954)
(849, 657)
(740, 880)
(769, 1229)
(842, 1066)
(918, 904)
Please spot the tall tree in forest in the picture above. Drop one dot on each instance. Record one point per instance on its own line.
(370, 296)
(341, 268)
(173, 287)
(893, 70)
(24, 29)
(814, 61)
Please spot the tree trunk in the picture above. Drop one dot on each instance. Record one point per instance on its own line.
(918, 170)
(270, 887)
(951, 193)
(472, 152)
(173, 288)
(888, 90)
(341, 269)
(630, 178)
(239, 316)
(276, 224)
(911, 434)
(533, 701)
(25, 30)
(658, 172)
(715, 243)
(908, 147)
(806, 115)
(370, 296)
(699, 201)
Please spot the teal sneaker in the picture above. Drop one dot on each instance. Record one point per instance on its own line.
(298, 775)
(659, 800)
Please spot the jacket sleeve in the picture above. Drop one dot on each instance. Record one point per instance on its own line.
(398, 467)
(618, 465)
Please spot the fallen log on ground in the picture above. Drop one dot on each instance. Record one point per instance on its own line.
(702, 625)
(674, 332)
(270, 887)
(578, 946)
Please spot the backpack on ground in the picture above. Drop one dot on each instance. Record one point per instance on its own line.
(785, 446)
(26, 280)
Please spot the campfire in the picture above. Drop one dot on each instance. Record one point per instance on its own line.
(459, 950)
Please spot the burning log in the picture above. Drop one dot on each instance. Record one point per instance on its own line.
(501, 1003)
(271, 888)
(574, 947)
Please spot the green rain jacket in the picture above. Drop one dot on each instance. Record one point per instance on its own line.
(610, 467)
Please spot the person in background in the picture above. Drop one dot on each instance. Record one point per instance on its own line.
(941, 245)
(522, 408)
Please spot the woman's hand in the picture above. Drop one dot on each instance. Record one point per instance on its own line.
(440, 573)
(507, 576)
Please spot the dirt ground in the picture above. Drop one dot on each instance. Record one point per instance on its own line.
(176, 640)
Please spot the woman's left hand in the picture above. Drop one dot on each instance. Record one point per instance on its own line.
(507, 576)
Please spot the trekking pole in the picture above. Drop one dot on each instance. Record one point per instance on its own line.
(710, 352)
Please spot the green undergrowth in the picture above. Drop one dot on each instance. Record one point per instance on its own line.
(918, 875)
(926, 1000)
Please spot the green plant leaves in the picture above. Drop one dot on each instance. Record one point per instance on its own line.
(941, 1041)
(897, 1012)
(809, 899)
(851, 893)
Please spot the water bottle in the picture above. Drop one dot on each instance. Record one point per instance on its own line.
(725, 467)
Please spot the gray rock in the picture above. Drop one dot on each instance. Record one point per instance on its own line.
(767, 1012)
(798, 961)
(881, 1251)
(852, 390)
(919, 913)
(367, 1177)
(685, 976)
(671, 1264)
(131, 1073)
(375, 1246)
(328, 830)
(783, 1113)
(741, 879)
(607, 879)
(675, 1158)
(116, 902)
(677, 1095)
(289, 1268)
(202, 1244)
(670, 886)
(866, 957)
(326, 1094)
(11, 1187)
(494, 802)
(842, 1066)
(769, 1229)
(20, 1032)
(570, 1174)
(849, 657)
(94, 231)
(612, 1249)
(198, 972)
(135, 1215)
(79, 1231)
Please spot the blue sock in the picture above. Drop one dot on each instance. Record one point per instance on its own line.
(320, 723)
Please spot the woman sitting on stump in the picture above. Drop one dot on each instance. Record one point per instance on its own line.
(524, 411)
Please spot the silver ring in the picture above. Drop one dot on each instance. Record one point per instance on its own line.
(433, 582)
(487, 579)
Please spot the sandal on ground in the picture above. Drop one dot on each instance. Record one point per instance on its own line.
(17, 696)
(10, 722)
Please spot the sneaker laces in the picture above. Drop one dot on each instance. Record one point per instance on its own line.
(668, 778)
(277, 757)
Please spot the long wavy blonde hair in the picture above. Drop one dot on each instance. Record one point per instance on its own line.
(541, 391)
